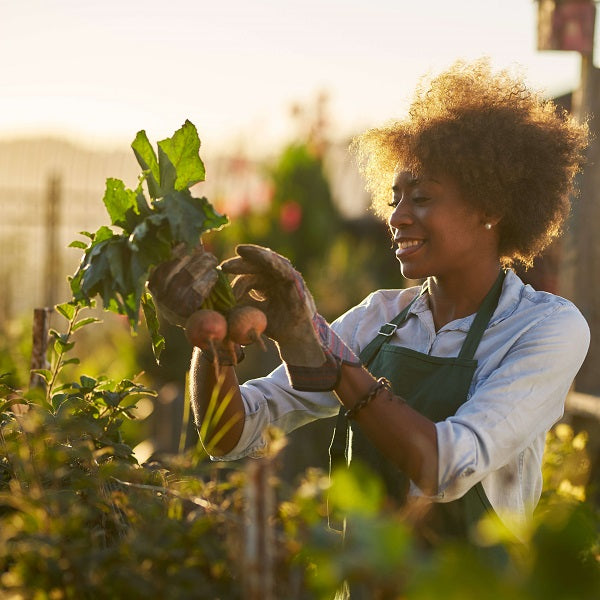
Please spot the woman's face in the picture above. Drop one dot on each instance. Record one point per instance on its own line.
(436, 232)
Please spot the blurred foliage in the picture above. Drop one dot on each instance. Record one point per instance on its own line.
(556, 556)
(81, 517)
(15, 351)
(84, 516)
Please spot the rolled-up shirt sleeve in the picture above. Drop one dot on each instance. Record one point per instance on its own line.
(516, 402)
(271, 401)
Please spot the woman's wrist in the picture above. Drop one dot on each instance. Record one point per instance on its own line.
(381, 385)
(354, 384)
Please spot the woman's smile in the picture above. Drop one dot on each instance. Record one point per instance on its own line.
(407, 246)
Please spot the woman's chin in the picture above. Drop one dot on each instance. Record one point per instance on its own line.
(411, 271)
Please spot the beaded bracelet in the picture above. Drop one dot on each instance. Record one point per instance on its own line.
(381, 383)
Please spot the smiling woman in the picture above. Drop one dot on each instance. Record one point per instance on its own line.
(450, 387)
(510, 151)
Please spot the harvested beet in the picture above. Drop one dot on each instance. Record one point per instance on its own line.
(205, 327)
(246, 324)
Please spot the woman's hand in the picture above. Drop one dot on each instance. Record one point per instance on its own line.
(181, 285)
(312, 352)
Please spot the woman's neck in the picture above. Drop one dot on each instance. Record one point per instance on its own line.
(455, 298)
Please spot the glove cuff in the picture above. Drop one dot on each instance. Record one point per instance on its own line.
(332, 343)
(316, 379)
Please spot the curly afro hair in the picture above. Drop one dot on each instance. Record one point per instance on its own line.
(513, 154)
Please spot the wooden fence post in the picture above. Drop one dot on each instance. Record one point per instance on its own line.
(41, 319)
(52, 253)
(259, 543)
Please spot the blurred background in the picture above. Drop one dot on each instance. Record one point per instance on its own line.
(276, 90)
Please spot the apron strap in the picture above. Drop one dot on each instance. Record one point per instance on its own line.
(339, 447)
(386, 331)
(482, 318)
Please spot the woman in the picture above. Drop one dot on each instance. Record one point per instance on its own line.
(449, 387)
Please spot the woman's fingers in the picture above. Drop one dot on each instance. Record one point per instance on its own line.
(248, 286)
(266, 261)
(239, 266)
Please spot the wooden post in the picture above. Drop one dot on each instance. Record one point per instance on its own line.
(41, 319)
(52, 268)
(581, 275)
(259, 548)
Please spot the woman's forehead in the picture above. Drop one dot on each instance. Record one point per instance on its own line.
(410, 178)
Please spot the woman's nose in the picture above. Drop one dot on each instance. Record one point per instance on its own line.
(401, 215)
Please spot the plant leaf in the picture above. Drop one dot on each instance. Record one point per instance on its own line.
(71, 361)
(88, 382)
(45, 374)
(189, 217)
(121, 204)
(146, 157)
(66, 309)
(60, 346)
(83, 322)
(179, 162)
(151, 316)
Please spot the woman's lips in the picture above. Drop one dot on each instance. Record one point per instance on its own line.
(408, 247)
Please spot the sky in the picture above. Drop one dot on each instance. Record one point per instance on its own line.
(100, 70)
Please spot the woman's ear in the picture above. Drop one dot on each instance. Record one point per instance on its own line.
(491, 221)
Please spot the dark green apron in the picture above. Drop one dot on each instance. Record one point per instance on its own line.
(434, 386)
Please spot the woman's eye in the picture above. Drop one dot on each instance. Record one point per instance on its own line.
(393, 203)
(420, 199)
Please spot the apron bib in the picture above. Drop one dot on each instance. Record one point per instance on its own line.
(435, 387)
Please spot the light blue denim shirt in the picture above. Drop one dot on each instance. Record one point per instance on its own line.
(526, 362)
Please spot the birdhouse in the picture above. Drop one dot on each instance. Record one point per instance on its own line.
(566, 25)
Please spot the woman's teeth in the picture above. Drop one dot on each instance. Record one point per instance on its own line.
(408, 243)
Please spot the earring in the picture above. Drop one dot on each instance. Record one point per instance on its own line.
(488, 226)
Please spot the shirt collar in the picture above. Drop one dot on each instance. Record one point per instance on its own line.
(512, 289)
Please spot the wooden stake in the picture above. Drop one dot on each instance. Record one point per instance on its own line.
(41, 319)
(259, 550)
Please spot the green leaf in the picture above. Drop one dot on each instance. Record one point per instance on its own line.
(78, 244)
(189, 217)
(71, 361)
(117, 257)
(179, 162)
(111, 398)
(58, 399)
(88, 382)
(67, 310)
(151, 316)
(121, 204)
(142, 205)
(45, 374)
(146, 157)
(60, 346)
(103, 233)
(83, 322)
(152, 239)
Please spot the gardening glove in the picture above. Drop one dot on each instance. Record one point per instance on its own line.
(179, 286)
(312, 352)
